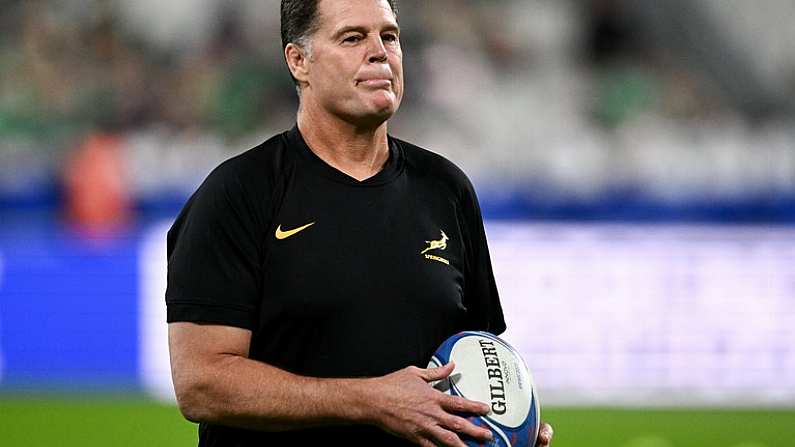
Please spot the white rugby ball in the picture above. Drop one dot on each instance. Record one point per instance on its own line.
(487, 369)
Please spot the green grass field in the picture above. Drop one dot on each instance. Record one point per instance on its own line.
(129, 421)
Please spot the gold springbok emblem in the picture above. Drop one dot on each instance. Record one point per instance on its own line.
(441, 244)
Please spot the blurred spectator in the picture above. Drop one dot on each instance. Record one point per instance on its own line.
(97, 195)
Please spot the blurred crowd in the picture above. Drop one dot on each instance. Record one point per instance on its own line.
(577, 99)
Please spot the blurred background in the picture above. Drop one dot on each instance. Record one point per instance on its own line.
(634, 159)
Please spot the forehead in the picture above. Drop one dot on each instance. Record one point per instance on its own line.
(336, 14)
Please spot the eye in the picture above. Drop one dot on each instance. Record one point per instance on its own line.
(390, 37)
(353, 38)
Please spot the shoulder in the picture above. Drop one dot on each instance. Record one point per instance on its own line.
(435, 168)
(254, 169)
(241, 186)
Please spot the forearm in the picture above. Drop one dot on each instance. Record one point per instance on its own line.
(236, 391)
(217, 383)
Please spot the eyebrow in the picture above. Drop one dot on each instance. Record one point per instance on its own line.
(363, 30)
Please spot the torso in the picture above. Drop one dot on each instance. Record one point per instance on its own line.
(390, 267)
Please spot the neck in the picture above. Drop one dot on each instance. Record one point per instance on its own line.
(358, 151)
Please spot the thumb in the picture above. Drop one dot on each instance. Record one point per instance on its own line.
(439, 373)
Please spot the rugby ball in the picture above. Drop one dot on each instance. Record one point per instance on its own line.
(487, 369)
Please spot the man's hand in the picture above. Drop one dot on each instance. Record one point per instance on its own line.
(544, 435)
(408, 406)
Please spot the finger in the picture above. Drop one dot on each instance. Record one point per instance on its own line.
(445, 437)
(457, 404)
(464, 426)
(545, 434)
(438, 373)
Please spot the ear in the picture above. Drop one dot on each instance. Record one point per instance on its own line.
(297, 62)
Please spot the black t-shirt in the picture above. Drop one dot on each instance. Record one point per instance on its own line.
(335, 277)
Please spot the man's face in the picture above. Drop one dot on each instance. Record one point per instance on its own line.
(355, 70)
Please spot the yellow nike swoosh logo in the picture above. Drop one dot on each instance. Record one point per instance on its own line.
(285, 234)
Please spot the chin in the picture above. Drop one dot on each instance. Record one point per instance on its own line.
(374, 119)
(369, 111)
(384, 110)
(373, 116)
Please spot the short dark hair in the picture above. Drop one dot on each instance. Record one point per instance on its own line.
(299, 21)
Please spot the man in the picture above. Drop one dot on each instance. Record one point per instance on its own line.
(312, 277)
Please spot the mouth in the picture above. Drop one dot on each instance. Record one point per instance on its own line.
(375, 83)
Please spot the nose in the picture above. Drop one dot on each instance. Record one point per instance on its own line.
(377, 51)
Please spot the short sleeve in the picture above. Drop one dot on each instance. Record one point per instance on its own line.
(214, 254)
(484, 311)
